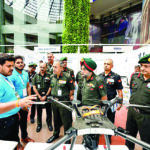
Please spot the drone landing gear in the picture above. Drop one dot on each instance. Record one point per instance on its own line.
(71, 133)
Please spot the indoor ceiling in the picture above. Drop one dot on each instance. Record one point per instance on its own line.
(52, 10)
(103, 7)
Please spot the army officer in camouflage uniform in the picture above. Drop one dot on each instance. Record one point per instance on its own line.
(50, 58)
(62, 88)
(41, 82)
(93, 86)
(79, 80)
(66, 69)
(138, 118)
(93, 92)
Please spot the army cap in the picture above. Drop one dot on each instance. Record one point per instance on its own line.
(63, 59)
(32, 64)
(145, 59)
(89, 64)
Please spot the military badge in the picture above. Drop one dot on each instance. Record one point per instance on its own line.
(91, 85)
(148, 85)
(148, 59)
(101, 86)
(62, 82)
(82, 59)
(71, 81)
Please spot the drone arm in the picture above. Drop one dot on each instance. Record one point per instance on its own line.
(77, 111)
(72, 132)
(131, 138)
(111, 103)
(56, 101)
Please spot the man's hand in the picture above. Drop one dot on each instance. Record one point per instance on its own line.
(43, 98)
(27, 101)
(71, 97)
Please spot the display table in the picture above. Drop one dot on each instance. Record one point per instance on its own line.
(8, 145)
(43, 146)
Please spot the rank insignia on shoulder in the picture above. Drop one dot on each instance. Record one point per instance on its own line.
(71, 81)
(148, 85)
(101, 86)
(119, 80)
(47, 78)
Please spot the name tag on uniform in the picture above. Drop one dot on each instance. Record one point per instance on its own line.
(62, 82)
(59, 92)
(24, 92)
(110, 80)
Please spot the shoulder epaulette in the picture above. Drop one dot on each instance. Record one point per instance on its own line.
(97, 78)
(66, 74)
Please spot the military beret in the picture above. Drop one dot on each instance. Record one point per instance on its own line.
(89, 64)
(63, 58)
(145, 59)
(32, 64)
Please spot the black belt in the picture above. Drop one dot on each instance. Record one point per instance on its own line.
(9, 118)
(141, 111)
(61, 98)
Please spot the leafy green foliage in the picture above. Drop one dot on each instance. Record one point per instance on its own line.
(76, 25)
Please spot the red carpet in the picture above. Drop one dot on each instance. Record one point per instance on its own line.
(120, 121)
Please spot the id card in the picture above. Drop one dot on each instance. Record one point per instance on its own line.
(24, 92)
(38, 86)
(114, 107)
(59, 92)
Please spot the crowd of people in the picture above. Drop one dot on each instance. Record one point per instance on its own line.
(21, 88)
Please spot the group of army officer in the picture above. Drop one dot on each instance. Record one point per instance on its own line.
(58, 81)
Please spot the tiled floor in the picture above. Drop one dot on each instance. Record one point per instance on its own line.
(44, 134)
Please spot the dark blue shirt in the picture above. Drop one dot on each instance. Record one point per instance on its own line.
(113, 82)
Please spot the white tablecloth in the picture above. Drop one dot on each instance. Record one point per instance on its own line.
(43, 146)
(7, 145)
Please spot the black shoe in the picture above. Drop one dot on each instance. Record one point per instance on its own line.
(32, 120)
(50, 127)
(68, 142)
(52, 138)
(38, 129)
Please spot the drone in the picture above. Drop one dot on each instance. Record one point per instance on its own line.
(93, 120)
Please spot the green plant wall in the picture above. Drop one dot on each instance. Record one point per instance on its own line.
(76, 25)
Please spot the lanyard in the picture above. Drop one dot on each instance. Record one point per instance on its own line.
(21, 80)
(31, 76)
(10, 83)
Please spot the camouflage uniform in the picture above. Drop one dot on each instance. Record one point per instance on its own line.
(92, 91)
(60, 88)
(138, 119)
(79, 80)
(42, 85)
(49, 68)
(70, 72)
